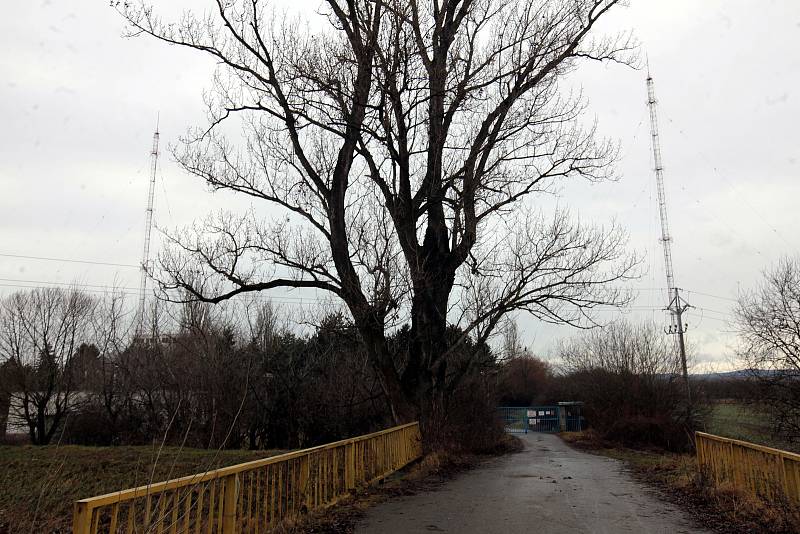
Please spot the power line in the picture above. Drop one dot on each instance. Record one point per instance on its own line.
(718, 312)
(712, 296)
(687, 290)
(122, 290)
(87, 289)
(69, 284)
(28, 283)
(66, 260)
(712, 318)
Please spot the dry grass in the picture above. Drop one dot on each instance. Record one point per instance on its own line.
(38, 485)
(724, 509)
(746, 422)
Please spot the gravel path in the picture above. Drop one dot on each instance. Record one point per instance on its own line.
(547, 488)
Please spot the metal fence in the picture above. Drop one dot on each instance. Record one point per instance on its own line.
(254, 496)
(521, 420)
(762, 471)
(574, 423)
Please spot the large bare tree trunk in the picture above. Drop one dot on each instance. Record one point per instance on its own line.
(402, 121)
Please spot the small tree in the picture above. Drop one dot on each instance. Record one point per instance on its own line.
(524, 380)
(41, 331)
(111, 333)
(768, 321)
(398, 149)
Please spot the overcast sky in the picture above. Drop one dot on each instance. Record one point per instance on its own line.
(78, 106)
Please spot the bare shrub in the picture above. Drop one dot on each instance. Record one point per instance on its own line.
(628, 375)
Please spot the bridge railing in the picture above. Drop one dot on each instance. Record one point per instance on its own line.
(253, 496)
(762, 471)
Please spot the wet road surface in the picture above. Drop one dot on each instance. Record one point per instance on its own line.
(547, 488)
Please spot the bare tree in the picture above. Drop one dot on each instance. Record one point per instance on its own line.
(112, 332)
(523, 380)
(399, 149)
(40, 334)
(623, 348)
(512, 346)
(768, 321)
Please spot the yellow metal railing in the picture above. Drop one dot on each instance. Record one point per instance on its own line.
(762, 471)
(254, 496)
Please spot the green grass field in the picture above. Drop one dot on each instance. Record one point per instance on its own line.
(745, 422)
(39, 484)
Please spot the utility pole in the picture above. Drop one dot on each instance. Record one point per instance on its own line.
(145, 267)
(676, 304)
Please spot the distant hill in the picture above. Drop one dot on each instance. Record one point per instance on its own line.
(732, 375)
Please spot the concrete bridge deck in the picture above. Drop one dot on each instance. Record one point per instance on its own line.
(547, 488)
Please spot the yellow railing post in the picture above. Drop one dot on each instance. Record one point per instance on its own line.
(230, 497)
(305, 479)
(81, 518)
(349, 466)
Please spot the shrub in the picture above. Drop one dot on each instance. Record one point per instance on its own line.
(642, 431)
(89, 426)
(628, 377)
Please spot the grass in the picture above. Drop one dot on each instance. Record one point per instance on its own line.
(745, 422)
(722, 509)
(38, 485)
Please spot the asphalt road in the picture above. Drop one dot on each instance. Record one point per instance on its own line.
(547, 488)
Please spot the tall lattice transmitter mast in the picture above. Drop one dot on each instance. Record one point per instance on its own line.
(146, 265)
(676, 305)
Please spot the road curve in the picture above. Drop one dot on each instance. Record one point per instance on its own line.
(547, 488)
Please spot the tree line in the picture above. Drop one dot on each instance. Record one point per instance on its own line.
(244, 374)
(75, 369)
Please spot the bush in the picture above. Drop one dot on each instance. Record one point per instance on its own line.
(89, 426)
(641, 431)
(628, 377)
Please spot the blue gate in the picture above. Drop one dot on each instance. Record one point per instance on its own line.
(522, 420)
